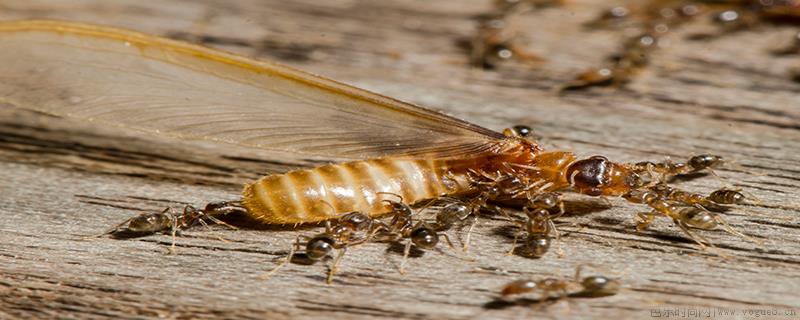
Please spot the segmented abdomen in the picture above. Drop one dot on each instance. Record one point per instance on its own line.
(300, 196)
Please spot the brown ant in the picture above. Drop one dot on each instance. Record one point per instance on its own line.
(496, 40)
(347, 230)
(539, 225)
(655, 18)
(683, 214)
(722, 196)
(402, 226)
(660, 172)
(591, 286)
(167, 222)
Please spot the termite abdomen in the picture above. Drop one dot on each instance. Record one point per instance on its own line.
(299, 196)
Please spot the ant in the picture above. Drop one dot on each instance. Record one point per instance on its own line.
(687, 210)
(496, 39)
(650, 174)
(167, 222)
(713, 201)
(655, 18)
(421, 234)
(539, 225)
(347, 230)
(685, 217)
(591, 286)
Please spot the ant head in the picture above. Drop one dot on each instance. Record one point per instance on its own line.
(424, 237)
(319, 247)
(517, 131)
(597, 176)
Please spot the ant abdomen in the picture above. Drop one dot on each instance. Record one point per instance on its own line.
(535, 246)
(451, 214)
(149, 223)
(319, 247)
(704, 161)
(727, 196)
(518, 287)
(599, 286)
(697, 218)
(424, 237)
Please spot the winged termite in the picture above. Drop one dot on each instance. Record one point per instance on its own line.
(376, 144)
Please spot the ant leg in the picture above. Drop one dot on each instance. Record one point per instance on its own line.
(469, 234)
(696, 237)
(110, 231)
(521, 227)
(450, 244)
(292, 250)
(733, 231)
(174, 231)
(222, 223)
(406, 252)
(513, 244)
(335, 266)
(557, 235)
(205, 225)
(645, 219)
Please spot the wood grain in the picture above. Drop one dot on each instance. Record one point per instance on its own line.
(62, 180)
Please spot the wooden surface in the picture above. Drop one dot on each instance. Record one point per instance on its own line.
(60, 180)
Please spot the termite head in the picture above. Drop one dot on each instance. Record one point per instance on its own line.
(597, 176)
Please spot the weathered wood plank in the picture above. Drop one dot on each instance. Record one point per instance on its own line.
(62, 180)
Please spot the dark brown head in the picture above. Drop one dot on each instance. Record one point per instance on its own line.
(597, 176)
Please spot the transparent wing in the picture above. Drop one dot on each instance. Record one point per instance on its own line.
(144, 82)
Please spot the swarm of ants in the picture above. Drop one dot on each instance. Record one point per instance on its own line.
(422, 226)
(498, 39)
